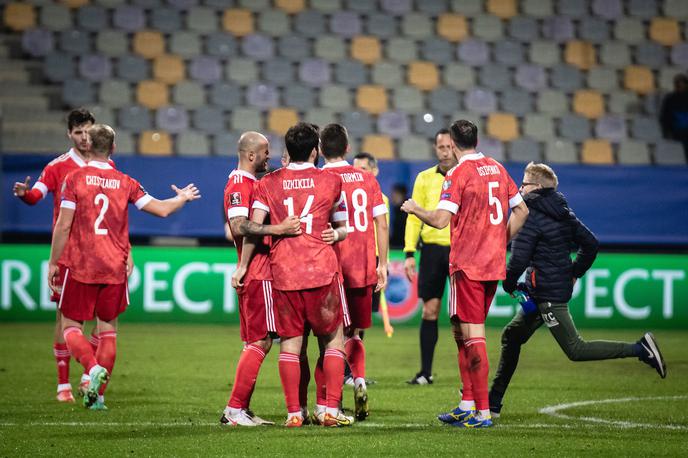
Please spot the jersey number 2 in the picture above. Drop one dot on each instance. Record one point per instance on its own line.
(305, 217)
(495, 219)
(106, 202)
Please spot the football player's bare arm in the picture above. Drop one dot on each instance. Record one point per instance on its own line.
(242, 226)
(438, 218)
(335, 232)
(517, 219)
(164, 208)
(60, 236)
(247, 250)
(382, 234)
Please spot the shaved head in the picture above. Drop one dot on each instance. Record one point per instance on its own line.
(250, 141)
(253, 152)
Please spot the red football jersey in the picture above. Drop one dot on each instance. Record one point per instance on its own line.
(363, 198)
(98, 243)
(479, 192)
(53, 176)
(238, 199)
(304, 261)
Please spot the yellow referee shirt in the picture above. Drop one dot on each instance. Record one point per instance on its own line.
(426, 193)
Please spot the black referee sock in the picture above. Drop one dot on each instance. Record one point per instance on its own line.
(428, 340)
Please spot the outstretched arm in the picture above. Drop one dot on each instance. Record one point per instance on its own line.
(517, 219)
(438, 218)
(29, 196)
(164, 208)
(61, 232)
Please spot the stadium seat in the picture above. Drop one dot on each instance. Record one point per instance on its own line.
(380, 25)
(509, 52)
(315, 72)
(607, 9)
(281, 119)
(310, 23)
(148, 44)
(357, 123)
(452, 27)
(166, 20)
(385, 73)
(629, 30)
(524, 150)
(335, 97)
(76, 93)
(396, 7)
(401, 50)
(205, 69)
(129, 17)
(523, 28)
(189, 94)
(572, 9)
(294, 47)
(252, 5)
(646, 129)
(436, 50)
(407, 98)
(168, 68)
(430, 7)
(19, 16)
(75, 42)
(665, 31)
(573, 127)
(611, 127)
(538, 126)
(603, 79)
(615, 54)
(423, 75)
(152, 94)
(650, 54)
(192, 144)
(55, 17)
(669, 153)
(320, 116)
(552, 102)
(502, 126)
(243, 119)
(185, 43)
(346, 24)
(537, 8)
(414, 148)
(155, 143)
(676, 8)
(642, 8)
(679, 54)
(225, 144)
(580, 54)
(290, 6)
(588, 103)
(278, 71)
(112, 43)
(37, 42)
(330, 47)
(208, 119)
(458, 76)
(666, 78)
(558, 29)
(366, 49)
(353, 73)
(132, 68)
(504, 9)
(492, 147)
(238, 22)
(298, 96)
(639, 79)
(393, 123)
(380, 146)
(174, 119)
(95, 67)
(443, 100)
(530, 77)
(416, 26)
(494, 76)
(632, 152)
(243, 71)
(134, 118)
(263, 96)
(274, 23)
(488, 27)
(596, 151)
(201, 19)
(594, 30)
(225, 95)
(480, 101)
(92, 18)
(516, 101)
(427, 124)
(124, 143)
(372, 98)
(474, 52)
(560, 152)
(220, 44)
(566, 78)
(258, 47)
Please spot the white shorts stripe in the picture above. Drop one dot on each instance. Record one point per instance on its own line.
(269, 306)
(345, 306)
(452, 297)
(64, 282)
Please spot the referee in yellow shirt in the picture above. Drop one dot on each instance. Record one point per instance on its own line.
(434, 252)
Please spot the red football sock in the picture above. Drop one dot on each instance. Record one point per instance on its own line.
(464, 365)
(333, 367)
(93, 339)
(355, 356)
(320, 384)
(245, 379)
(290, 374)
(479, 368)
(106, 353)
(305, 380)
(62, 357)
(79, 347)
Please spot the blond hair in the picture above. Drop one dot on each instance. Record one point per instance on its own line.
(542, 174)
(102, 138)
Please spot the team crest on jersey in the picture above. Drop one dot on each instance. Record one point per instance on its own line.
(446, 185)
(445, 195)
(235, 198)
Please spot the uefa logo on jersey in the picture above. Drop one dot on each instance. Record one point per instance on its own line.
(402, 295)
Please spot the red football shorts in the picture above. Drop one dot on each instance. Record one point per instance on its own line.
(470, 300)
(256, 313)
(84, 301)
(55, 297)
(322, 309)
(360, 304)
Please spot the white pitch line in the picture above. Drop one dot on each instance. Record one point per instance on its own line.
(554, 411)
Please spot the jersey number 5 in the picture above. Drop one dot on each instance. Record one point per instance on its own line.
(106, 202)
(305, 217)
(495, 219)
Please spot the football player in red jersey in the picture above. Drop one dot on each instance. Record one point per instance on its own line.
(256, 312)
(91, 246)
(476, 197)
(50, 181)
(305, 270)
(365, 220)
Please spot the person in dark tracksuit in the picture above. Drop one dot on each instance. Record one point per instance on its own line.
(542, 249)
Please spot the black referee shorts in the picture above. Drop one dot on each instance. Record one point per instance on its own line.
(433, 271)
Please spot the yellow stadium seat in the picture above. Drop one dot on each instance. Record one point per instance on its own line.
(20, 16)
(640, 79)
(580, 54)
(380, 146)
(169, 69)
(152, 94)
(423, 75)
(155, 143)
(75, 3)
(281, 119)
(366, 49)
(149, 44)
(504, 9)
(597, 152)
(452, 27)
(502, 126)
(665, 31)
(238, 22)
(372, 99)
(588, 103)
(290, 6)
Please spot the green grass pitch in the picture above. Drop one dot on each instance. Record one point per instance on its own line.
(171, 383)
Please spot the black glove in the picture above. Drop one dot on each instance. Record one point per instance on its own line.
(509, 286)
